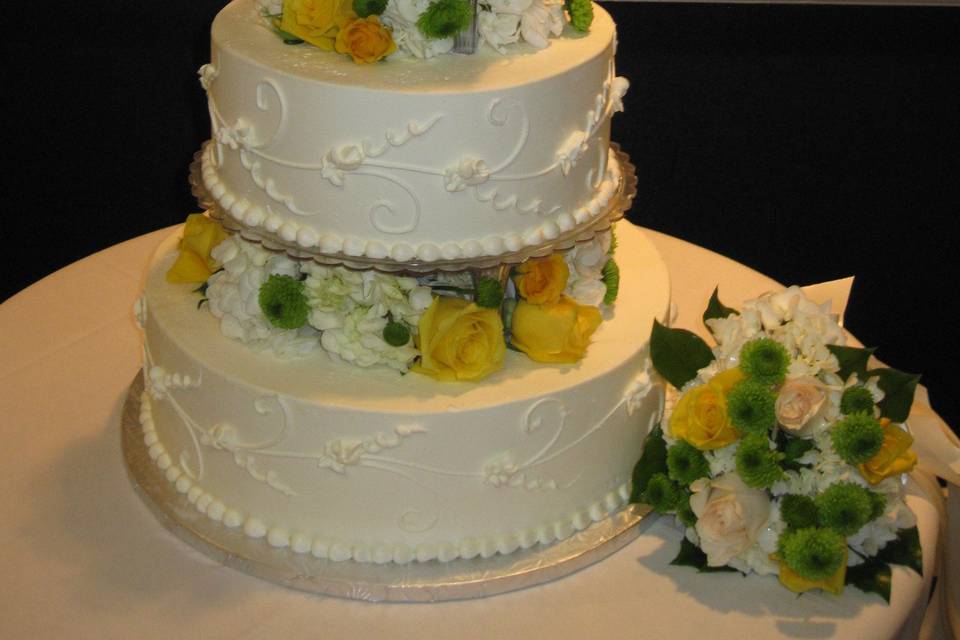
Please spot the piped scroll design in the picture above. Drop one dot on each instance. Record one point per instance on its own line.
(357, 159)
(222, 436)
(366, 157)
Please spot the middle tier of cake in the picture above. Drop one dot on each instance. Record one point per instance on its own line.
(372, 465)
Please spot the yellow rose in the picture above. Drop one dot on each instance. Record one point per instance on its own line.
(316, 21)
(542, 280)
(200, 236)
(700, 416)
(365, 40)
(554, 332)
(459, 340)
(798, 584)
(895, 455)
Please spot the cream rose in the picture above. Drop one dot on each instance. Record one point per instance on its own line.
(730, 516)
(798, 402)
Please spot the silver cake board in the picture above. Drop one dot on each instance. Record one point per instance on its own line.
(431, 581)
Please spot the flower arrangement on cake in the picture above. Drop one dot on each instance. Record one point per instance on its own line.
(780, 451)
(450, 326)
(372, 30)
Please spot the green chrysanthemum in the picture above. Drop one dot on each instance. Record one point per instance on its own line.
(283, 302)
(814, 554)
(686, 463)
(489, 293)
(765, 361)
(844, 507)
(798, 512)
(445, 19)
(757, 464)
(581, 14)
(661, 493)
(856, 400)
(613, 241)
(611, 278)
(878, 504)
(684, 513)
(857, 438)
(396, 334)
(364, 8)
(752, 407)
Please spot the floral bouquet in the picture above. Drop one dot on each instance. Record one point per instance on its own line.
(372, 30)
(780, 451)
(453, 326)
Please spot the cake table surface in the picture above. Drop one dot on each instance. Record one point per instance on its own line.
(82, 557)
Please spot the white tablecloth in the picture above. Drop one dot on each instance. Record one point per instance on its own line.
(81, 557)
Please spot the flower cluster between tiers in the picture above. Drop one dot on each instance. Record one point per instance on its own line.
(450, 326)
(781, 451)
(372, 30)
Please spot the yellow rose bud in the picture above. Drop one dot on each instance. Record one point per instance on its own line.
(365, 40)
(200, 236)
(557, 332)
(895, 455)
(316, 21)
(459, 340)
(700, 416)
(542, 280)
(798, 584)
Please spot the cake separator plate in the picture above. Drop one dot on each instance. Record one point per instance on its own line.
(431, 581)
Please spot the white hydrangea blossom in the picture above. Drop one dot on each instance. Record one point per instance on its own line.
(348, 309)
(586, 261)
(791, 319)
(504, 22)
(233, 292)
(722, 460)
(401, 16)
(351, 308)
(540, 20)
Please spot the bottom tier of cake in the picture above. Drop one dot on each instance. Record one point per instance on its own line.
(370, 465)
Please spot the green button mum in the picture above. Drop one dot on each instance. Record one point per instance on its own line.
(857, 438)
(765, 361)
(757, 464)
(283, 302)
(752, 407)
(856, 400)
(814, 554)
(686, 463)
(844, 507)
(445, 19)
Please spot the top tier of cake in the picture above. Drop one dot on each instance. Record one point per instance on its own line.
(455, 157)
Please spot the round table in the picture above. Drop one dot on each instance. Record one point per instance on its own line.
(82, 557)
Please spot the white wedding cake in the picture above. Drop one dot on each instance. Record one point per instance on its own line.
(402, 412)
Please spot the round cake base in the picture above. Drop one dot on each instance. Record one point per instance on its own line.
(414, 582)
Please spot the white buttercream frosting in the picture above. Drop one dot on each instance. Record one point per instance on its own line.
(461, 163)
(366, 464)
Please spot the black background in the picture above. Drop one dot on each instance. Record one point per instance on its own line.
(808, 142)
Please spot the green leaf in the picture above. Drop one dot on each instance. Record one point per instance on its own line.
(678, 354)
(852, 360)
(904, 550)
(898, 389)
(653, 461)
(792, 449)
(716, 309)
(873, 576)
(690, 555)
